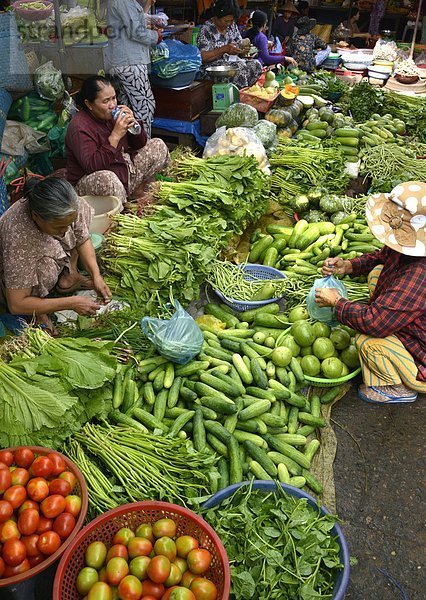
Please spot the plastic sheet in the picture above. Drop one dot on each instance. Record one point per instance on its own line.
(189, 127)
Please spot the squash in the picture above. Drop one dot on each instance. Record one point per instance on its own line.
(281, 117)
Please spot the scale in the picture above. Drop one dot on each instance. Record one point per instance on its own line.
(224, 92)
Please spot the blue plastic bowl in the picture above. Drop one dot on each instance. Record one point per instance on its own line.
(269, 486)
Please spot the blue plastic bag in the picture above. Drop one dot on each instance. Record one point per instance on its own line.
(182, 59)
(324, 314)
(179, 339)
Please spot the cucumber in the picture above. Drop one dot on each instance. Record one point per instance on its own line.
(149, 420)
(180, 422)
(230, 345)
(217, 430)
(274, 421)
(292, 466)
(237, 333)
(216, 353)
(261, 393)
(218, 446)
(287, 450)
(243, 371)
(258, 471)
(350, 132)
(248, 352)
(307, 419)
(198, 432)
(230, 423)
(281, 373)
(297, 481)
(219, 405)
(229, 380)
(223, 469)
(207, 413)
(312, 482)
(121, 419)
(271, 257)
(173, 396)
(235, 465)
(293, 439)
(250, 426)
(191, 368)
(156, 372)
(259, 248)
(160, 404)
(268, 320)
(169, 376)
(254, 410)
(297, 370)
(221, 314)
(158, 382)
(202, 389)
(261, 457)
(347, 141)
(330, 395)
(311, 449)
(118, 395)
(306, 430)
(187, 394)
(283, 474)
(249, 315)
(298, 229)
(315, 406)
(293, 418)
(148, 394)
(259, 376)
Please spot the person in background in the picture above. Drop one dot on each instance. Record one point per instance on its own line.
(303, 8)
(392, 327)
(220, 44)
(304, 45)
(128, 54)
(356, 38)
(284, 24)
(103, 158)
(257, 36)
(42, 236)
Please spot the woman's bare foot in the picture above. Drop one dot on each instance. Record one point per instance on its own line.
(72, 282)
(46, 322)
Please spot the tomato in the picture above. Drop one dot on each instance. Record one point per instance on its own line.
(166, 547)
(36, 560)
(159, 569)
(59, 486)
(70, 477)
(149, 588)
(24, 457)
(6, 510)
(95, 555)
(20, 476)
(100, 591)
(103, 575)
(16, 494)
(73, 505)
(149, 597)
(44, 525)
(117, 550)
(130, 588)
(48, 542)
(199, 560)
(52, 506)
(63, 525)
(139, 547)
(138, 567)
(3, 466)
(174, 577)
(184, 545)
(14, 552)
(30, 543)
(5, 480)
(9, 530)
(86, 578)
(181, 564)
(6, 457)
(117, 568)
(164, 527)
(28, 521)
(2, 567)
(42, 467)
(181, 593)
(166, 596)
(18, 569)
(123, 536)
(59, 464)
(37, 489)
(145, 531)
(28, 504)
(187, 579)
(203, 589)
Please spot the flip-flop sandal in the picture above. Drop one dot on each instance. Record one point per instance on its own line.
(388, 400)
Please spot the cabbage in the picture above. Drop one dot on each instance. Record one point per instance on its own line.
(238, 115)
(266, 132)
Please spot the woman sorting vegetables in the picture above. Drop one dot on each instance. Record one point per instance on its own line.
(42, 236)
(256, 35)
(392, 328)
(220, 44)
(103, 157)
(306, 48)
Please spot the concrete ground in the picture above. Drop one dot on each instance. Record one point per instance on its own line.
(379, 479)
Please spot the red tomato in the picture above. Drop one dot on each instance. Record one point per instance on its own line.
(20, 476)
(64, 524)
(159, 569)
(203, 589)
(59, 486)
(53, 506)
(199, 560)
(58, 462)
(130, 588)
(116, 569)
(21, 568)
(28, 504)
(139, 547)
(166, 596)
(9, 529)
(28, 521)
(14, 552)
(2, 567)
(36, 560)
(70, 477)
(149, 588)
(16, 494)
(119, 550)
(123, 536)
(164, 527)
(42, 467)
(44, 525)
(73, 506)
(149, 597)
(30, 543)
(3, 466)
(6, 510)
(5, 480)
(37, 489)
(184, 545)
(187, 579)
(6, 457)
(48, 542)
(24, 457)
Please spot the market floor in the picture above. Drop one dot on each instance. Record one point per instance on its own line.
(379, 479)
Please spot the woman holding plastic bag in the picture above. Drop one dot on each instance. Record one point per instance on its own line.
(392, 328)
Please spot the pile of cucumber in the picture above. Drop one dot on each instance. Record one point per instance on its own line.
(233, 400)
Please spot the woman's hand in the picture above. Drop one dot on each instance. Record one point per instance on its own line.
(336, 266)
(84, 305)
(101, 288)
(231, 49)
(327, 296)
(124, 120)
(290, 61)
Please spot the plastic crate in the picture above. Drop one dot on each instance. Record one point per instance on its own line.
(132, 515)
(342, 579)
(260, 104)
(253, 271)
(320, 382)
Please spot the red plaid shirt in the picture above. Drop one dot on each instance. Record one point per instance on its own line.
(398, 305)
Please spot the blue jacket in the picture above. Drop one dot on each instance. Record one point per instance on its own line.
(129, 40)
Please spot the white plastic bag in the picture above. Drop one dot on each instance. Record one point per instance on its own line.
(237, 140)
(48, 82)
(325, 314)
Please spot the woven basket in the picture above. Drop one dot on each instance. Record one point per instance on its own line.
(16, 74)
(5, 103)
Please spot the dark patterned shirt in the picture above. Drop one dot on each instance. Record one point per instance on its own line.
(303, 49)
(398, 305)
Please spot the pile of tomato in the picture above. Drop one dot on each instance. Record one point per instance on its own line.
(151, 563)
(38, 510)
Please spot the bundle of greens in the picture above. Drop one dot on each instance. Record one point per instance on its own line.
(410, 109)
(390, 164)
(364, 101)
(330, 83)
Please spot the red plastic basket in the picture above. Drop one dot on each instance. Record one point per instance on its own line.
(80, 490)
(132, 515)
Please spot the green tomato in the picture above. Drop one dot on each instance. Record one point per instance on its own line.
(95, 555)
(86, 579)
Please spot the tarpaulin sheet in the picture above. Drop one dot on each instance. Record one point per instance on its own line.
(189, 127)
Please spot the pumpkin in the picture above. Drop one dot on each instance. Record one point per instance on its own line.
(279, 116)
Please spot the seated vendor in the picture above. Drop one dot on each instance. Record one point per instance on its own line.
(285, 22)
(392, 327)
(103, 158)
(256, 35)
(42, 236)
(356, 37)
(220, 43)
(305, 46)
